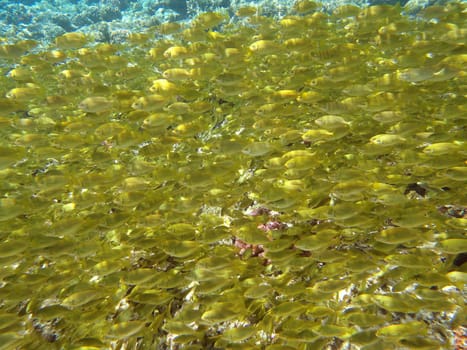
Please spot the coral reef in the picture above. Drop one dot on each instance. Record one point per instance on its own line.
(27, 21)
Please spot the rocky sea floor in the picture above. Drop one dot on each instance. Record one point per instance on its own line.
(113, 20)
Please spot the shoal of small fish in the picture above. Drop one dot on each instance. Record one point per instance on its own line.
(243, 182)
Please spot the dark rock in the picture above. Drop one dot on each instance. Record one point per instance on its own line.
(52, 31)
(62, 21)
(460, 259)
(109, 13)
(17, 14)
(417, 188)
(177, 6)
(118, 4)
(90, 16)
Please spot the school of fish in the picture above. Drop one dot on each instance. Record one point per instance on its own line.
(239, 182)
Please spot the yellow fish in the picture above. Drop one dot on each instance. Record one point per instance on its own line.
(27, 93)
(96, 104)
(150, 103)
(73, 40)
(177, 74)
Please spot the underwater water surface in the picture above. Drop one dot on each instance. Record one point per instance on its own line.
(241, 180)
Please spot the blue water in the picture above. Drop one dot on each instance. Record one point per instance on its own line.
(112, 20)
